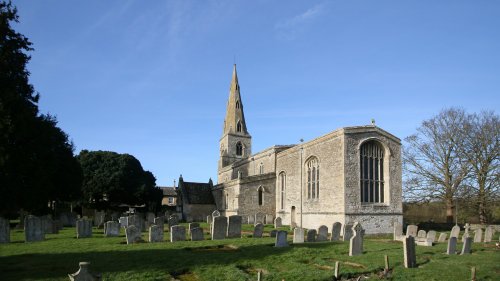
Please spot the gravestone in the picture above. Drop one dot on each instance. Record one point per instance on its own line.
(99, 218)
(277, 222)
(455, 231)
(273, 233)
(173, 220)
(411, 230)
(281, 239)
(197, 234)
(311, 235)
(251, 219)
(67, 219)
(4, 231)
(234, 227)
(298, 235)
(466, 232)
(442, 237)
(123, 222)
(259, 218)
(48, 225)
(258, 230)
(336, 229)
(410, 258)
(215, 214)
(112, 228)
(33, 230)
(136, 221)
(219, 227)
(452, 246)
(155, 233)
(478, 235)
(177, 233)
(269, 219)
(488, 234)
(132, 234)
(84, 274)
(431, 236)
(322, 233)
(209, 219)
(193, 225)
(466, 248)
(160, 221)
(421, 234)
(347, 232)
(356, 242)
(150, 218)
(83, 228)
(398, 231)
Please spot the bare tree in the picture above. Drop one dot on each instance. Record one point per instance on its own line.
(434, 167)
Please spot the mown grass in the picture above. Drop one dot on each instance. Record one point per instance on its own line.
(232, 259)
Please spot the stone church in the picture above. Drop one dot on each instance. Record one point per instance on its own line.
(350, 174)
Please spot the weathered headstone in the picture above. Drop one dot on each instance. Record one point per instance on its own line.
(155, 233)
(488, 234)
(281, 239)
(466, 232)
(84, 274)
(209, 219)
(431, 235)
(260, 218)
(273, 233)
(33, 230)
(4, 231)
(421, 234)
(123, 222)
(311, 235)
(347, 232)
(132, 234)
(173, 220)
(83, 228)
(277, 222)
(336, 229)
(478, 235)
(137, 221)
(452, 246)
(251, 219)
(356, 242)
(234, 227)
(410, 258)
(177, 233)
(411, 230)
(160, 221)
(215, 214)
(197, 234)
(455, 231)
(193, 225)
(298, 235)
(219, 227)
(258, 230)
(112, 228)
(269, 219)
(322, 233)
(397, 231)
(442, 237)
(466, 248)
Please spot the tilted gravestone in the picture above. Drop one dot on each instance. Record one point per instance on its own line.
(177, 233)
(132, 234)
(411, 230)
(33, 230)
(455, 231)
(215, 214)
(466, 232)
(410, 258)
(83, 228)
(421, 234)
(234, 227)
(258, 230)
(466, 248)
(4, 231)
(192, 225)
(311, 235)
(260, 218)
(197, 234)
(155, 233)
(478, 235)
(112, 228)
(442, 237)
(160, 221)
(219, 227)
(281, 239)
(336, 229)
(173, 220)
(298, 235)
(347, 232)
(322, 233)
(277, 222)
(273, 233)
(431, 236)
(488, 234)
(356, 242)
(452, 246)
(398, 231)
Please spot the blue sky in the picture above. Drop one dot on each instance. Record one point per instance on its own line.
(151, 78)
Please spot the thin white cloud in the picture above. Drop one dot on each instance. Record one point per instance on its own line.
(289, 28)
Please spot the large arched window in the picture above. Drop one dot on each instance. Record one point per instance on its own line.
(371, 170)
(312, 178)
(238, 127)
(282, 187)
(239, 149)
(261, 195)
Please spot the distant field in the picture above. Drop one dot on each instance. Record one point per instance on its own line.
(232, 259)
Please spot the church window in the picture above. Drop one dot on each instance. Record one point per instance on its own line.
(239, 149)
(261, 195)
(238, 126)
(282, 186)
(237, 104)
(312, 178)
(371, 172)
(261, 169)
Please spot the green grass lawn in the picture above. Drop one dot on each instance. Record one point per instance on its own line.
(232, 259)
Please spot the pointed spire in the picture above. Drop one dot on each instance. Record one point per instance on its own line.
(235, 118)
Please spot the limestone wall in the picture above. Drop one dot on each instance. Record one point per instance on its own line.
(197, 212)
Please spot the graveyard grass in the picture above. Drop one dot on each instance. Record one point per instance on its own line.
(233, 259)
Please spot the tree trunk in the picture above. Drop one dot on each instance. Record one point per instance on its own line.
(483, 219)
(449, 210)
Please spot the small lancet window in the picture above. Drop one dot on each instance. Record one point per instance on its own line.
(261, 195)
(312, 178)
(237, 104)
(238, 126)
(239, 149)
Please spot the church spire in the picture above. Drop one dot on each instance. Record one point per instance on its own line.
(234, 123)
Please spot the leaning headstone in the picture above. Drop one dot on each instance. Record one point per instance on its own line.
(160, 221)
(84, 274)
(177, 233)
(455, 231)
(209, 219)
(421, 234)
(83, 228)
(410, 258)
(431, 235)
(322, 233)
(215, 214)
(33, 230)
(219, 227)
(192, 225)
(442, 237)
(347, 232)
(260, 218)
(273, 233)
(411, 230)
(298, 235)
(488, 234)
(4, 231)
(356, 242)
(258, 230)
(281, 239)
(478, 235)
(269, 219)
(112, 228)
(452, 246)
(234, 227)
(173, 220)
(466, 232)
(132, 234)
(277, 222)
(197, 234)
(336, 229)
(155, 233)
(466, 248)
(311, 235)
(397, 231)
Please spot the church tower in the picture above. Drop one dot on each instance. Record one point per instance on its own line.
(236, 142)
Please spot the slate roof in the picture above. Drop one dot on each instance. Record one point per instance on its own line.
(168, 190)
(197, 193)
